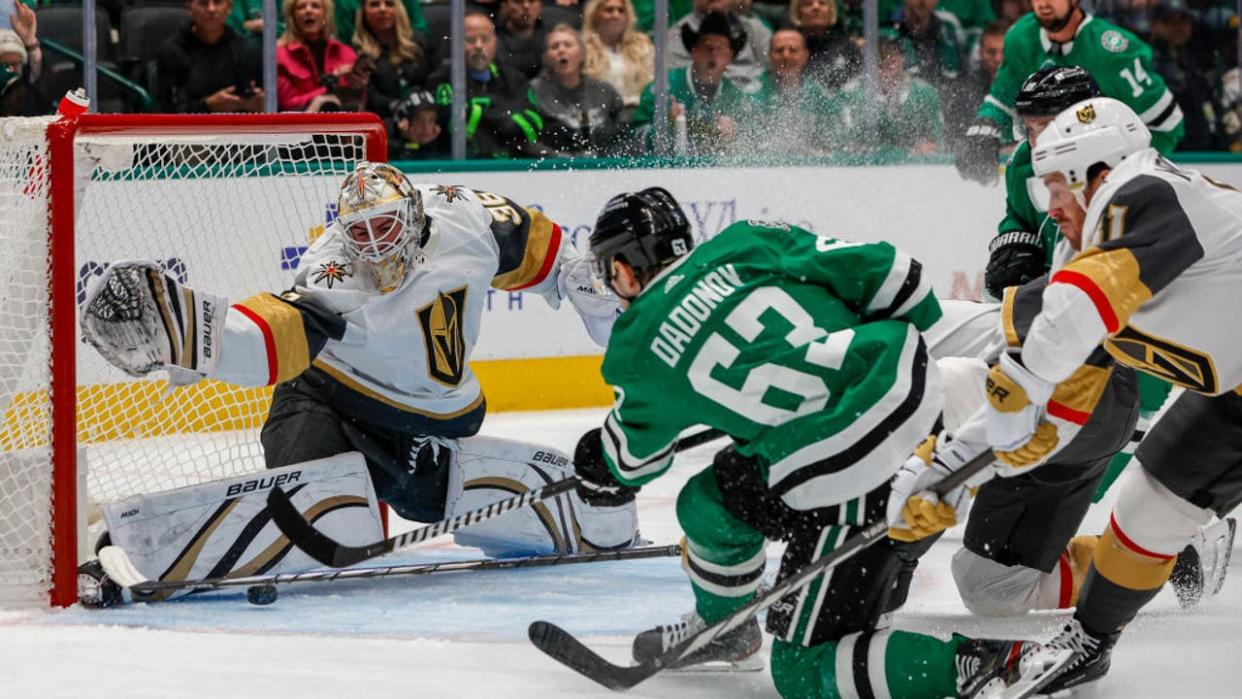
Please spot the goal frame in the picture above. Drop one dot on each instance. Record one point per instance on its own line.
(62, 294)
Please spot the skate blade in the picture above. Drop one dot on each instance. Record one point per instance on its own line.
(751, 663)
(1028, 685)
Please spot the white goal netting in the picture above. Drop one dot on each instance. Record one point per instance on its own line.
(226, 212)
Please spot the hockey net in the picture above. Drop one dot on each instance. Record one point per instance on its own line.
(226, 203)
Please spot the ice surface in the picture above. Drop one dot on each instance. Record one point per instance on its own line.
(464, 634)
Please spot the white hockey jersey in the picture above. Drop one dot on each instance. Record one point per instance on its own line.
(1161, 255)
(406, 351)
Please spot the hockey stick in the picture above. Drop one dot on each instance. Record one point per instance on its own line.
(330, 552)
(122, 571)
(569, 651)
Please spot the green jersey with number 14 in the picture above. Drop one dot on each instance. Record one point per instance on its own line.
(805, 349)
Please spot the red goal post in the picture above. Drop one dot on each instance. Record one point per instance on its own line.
(228, 202)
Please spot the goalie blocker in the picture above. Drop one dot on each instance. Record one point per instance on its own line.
(223, 529)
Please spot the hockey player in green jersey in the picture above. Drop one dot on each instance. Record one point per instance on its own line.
(807, 351)
(1060, 32)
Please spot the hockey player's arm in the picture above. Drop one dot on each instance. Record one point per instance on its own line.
(535, 257)
(997, 106)
(269, 339)
(876, 280)
(1148, 241)
(528, 243)
(1016, 255)
(641, 430)
(1133, 79)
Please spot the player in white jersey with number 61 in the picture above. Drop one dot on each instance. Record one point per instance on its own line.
(368, 352)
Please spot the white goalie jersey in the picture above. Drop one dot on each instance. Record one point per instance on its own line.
(405, 351)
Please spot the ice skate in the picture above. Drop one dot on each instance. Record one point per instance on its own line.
(735, 650)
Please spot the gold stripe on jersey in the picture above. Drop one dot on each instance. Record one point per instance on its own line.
(1081, 392)
(1011, 331)
(542, 241)
(1115, 274)
(353, 385)
(285, 331)
(1128, 568)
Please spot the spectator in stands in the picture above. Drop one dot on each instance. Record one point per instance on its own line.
(751, 56)
(616, 52)
(789, 108)
(1190, 80)
(521, 36)
(401, 61)
(501, 119)
(581, 115)
(208, 67)
(835, 58)
(414, 131)
(1011, 10)
(314, 71)
(709, 102)
(644, 11)
(971, 16)
(21, 65)
(907, 119)
(932, 46)
(345, 15)
(1231, 102)
(961, 98)
(246, 18)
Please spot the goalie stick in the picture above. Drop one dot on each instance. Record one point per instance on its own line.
(330, 552)
(122, 571)
(563, 647)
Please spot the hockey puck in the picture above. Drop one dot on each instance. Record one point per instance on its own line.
(261, 594)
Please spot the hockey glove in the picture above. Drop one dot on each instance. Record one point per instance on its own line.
(597, 486)
(597, 306)
(1014, 259)
(141, 318)
(1016, 412)
(914, 511)
(979, 153)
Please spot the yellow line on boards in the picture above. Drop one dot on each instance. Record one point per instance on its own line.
(140, 409)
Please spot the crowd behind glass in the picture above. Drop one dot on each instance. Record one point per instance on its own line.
(566, 78)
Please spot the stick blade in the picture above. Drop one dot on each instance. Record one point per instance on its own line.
(562, 647)
(301, 533)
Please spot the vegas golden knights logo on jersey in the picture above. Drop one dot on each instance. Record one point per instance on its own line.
(443, 334)
(1170, 361)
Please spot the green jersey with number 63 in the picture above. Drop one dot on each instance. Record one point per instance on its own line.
(805, 349)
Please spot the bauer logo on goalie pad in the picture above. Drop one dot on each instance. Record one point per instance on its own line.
(264, 483)
(444, 336)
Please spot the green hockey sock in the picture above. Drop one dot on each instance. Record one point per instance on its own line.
(913, 665)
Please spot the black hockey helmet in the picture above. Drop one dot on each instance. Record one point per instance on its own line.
(1053, 89)
(646, 229)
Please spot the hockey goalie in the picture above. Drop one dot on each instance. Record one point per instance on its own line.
(369, 353)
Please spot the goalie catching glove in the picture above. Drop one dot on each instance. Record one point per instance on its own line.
(597, 486)
(914, 511)
(141, 318)
(1017, 427)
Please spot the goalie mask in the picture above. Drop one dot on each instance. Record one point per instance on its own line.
(381, 218)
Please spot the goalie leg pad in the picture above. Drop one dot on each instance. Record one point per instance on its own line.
(223, 528)
(141, 318)
(487, 469)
